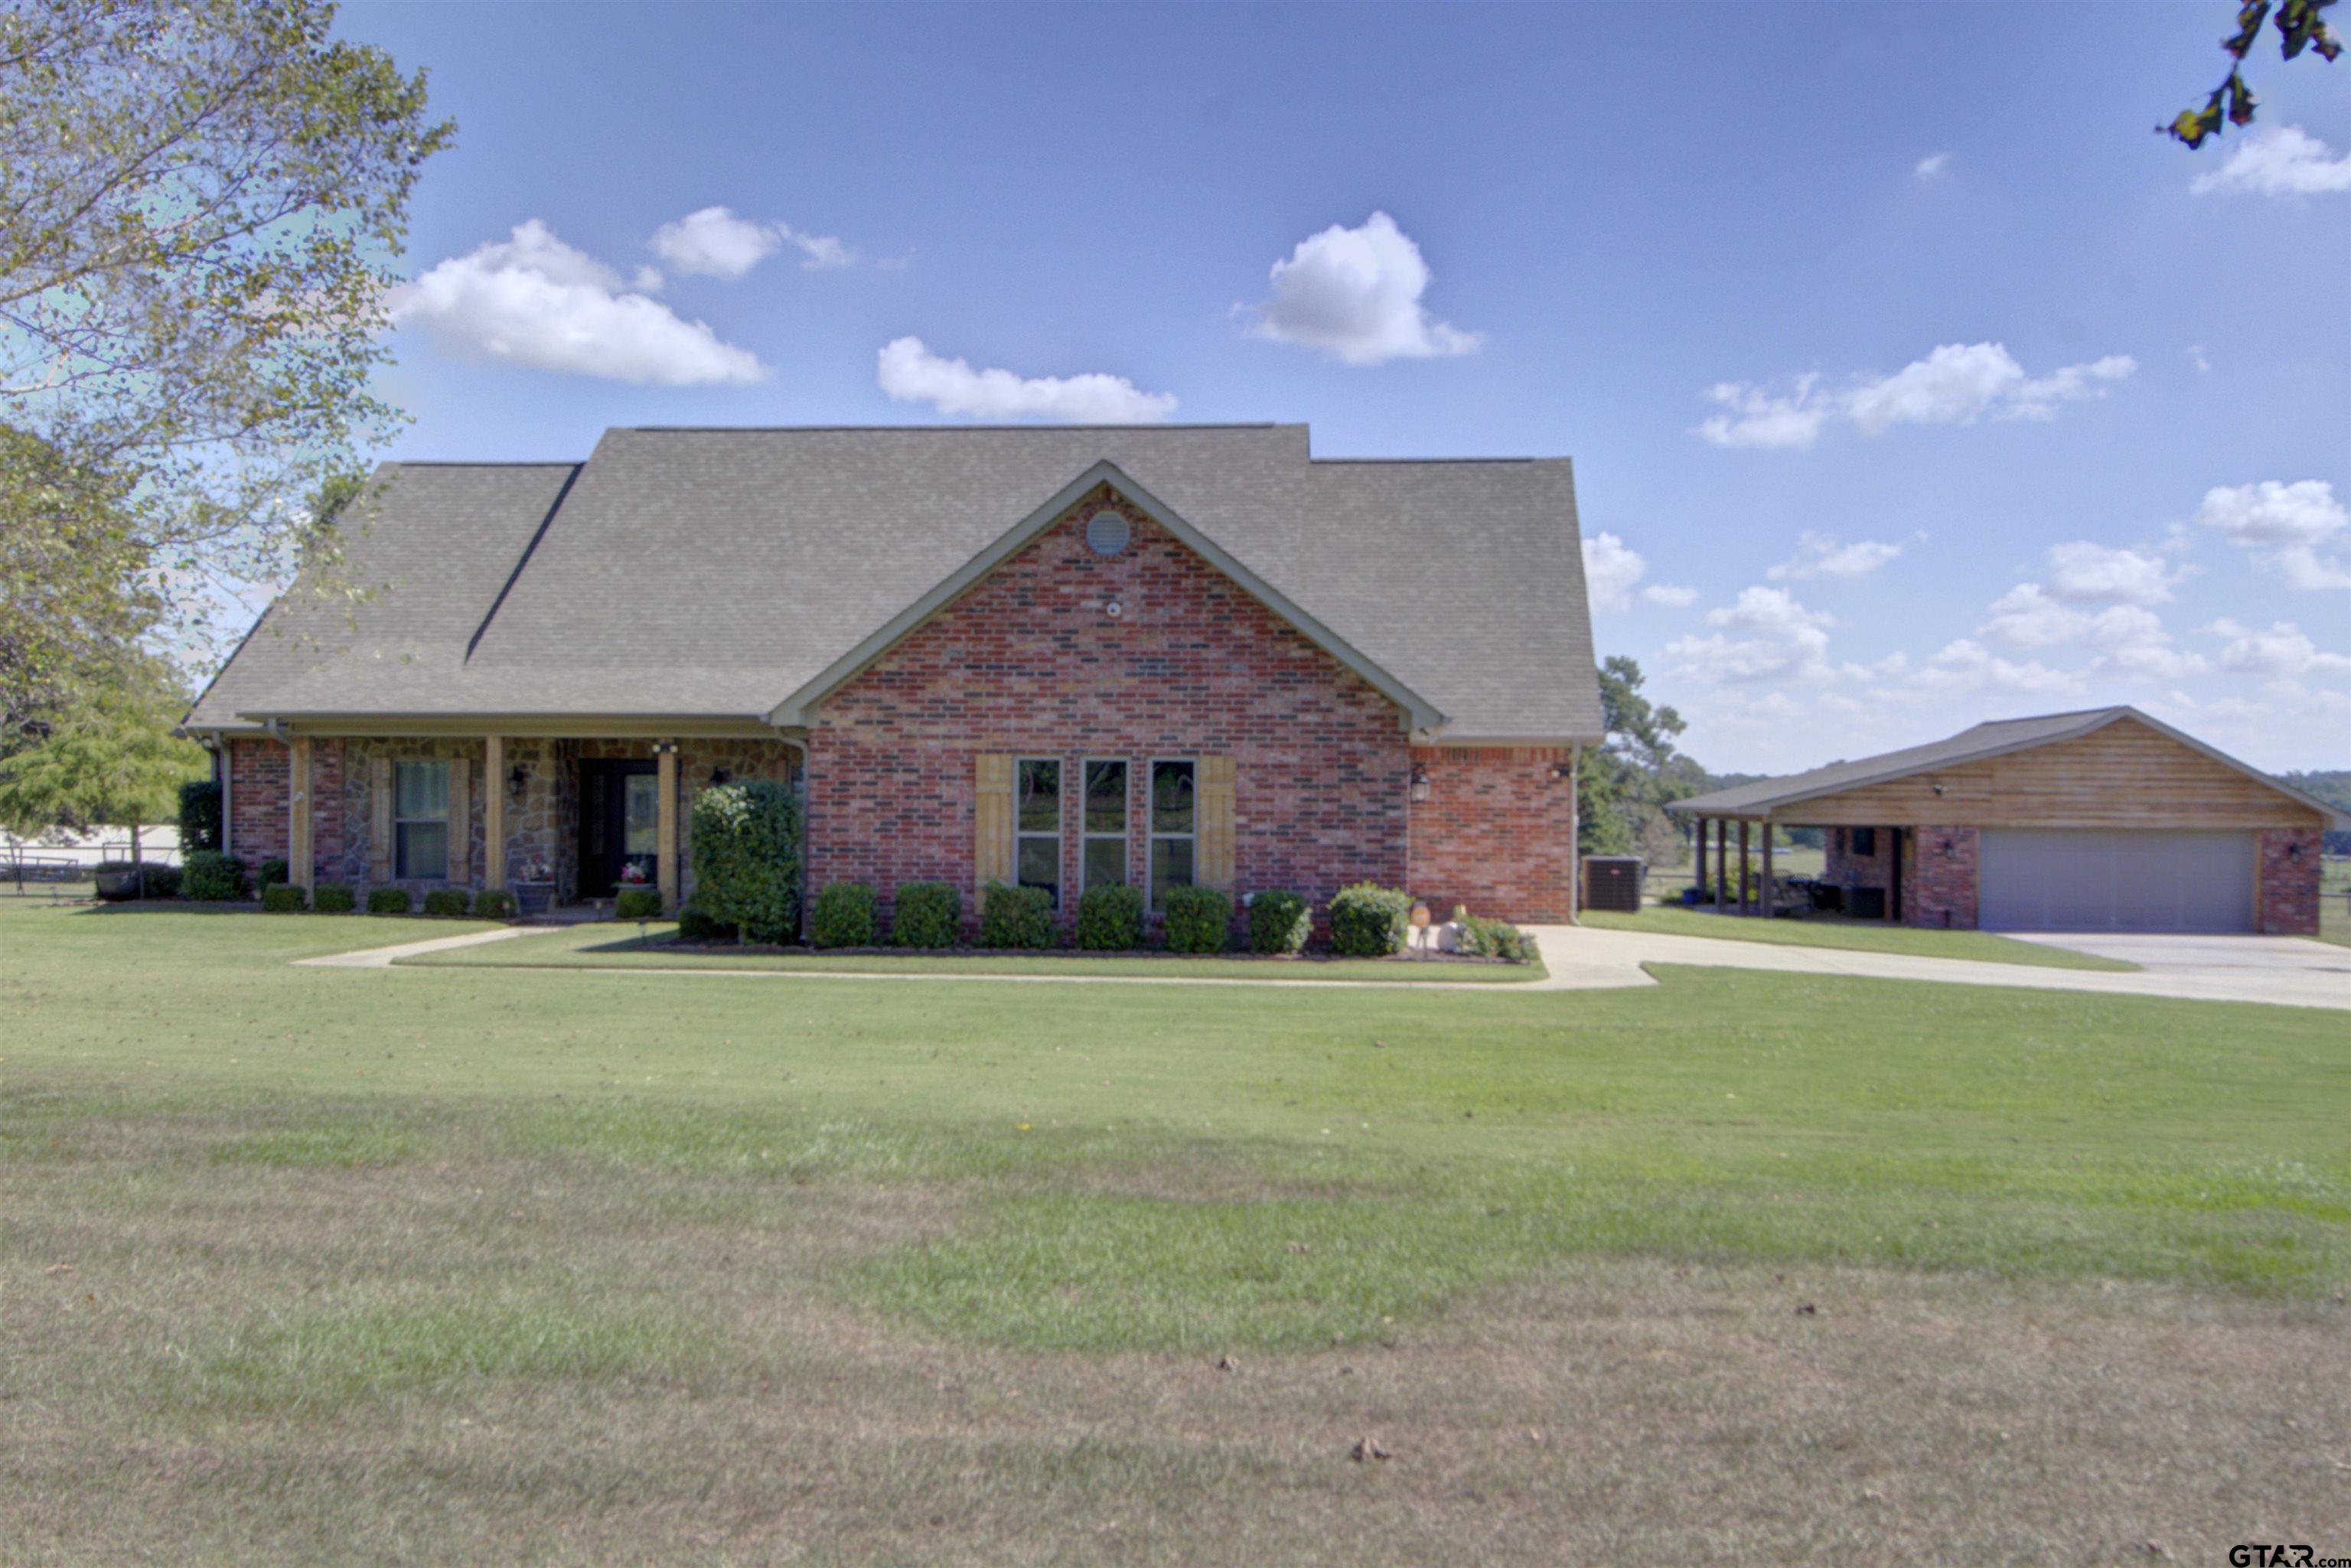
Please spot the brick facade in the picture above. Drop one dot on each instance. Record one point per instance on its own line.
(1939, 877)
(1032, 662)
(2288, 897)
(1843, 868)
(259, 818)
(1496, 832)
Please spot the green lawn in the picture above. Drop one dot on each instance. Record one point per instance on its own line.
(530, 1264)
(1859, 935)
(612, 945)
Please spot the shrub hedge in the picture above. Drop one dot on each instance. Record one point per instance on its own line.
(846, 914)
(696, 924)
(213, 876)
(1279, 923)
(637, 904)
(334, 898)
(447, 903)
(929, 915)
(1368, 921)
(746, 838)
(493, 904)
(1494, 939)
(283, 898)
(1013, 917)
(1198, 920)
(200, 815)
(272, 872)
(387, 901)
(1110, 918)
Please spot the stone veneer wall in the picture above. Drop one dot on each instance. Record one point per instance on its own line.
(2289, 881)
(1029, 662)
(1939, 877)
(1496, 832)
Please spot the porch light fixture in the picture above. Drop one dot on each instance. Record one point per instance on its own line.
(517, 778)
(1560, 772)
(1419, 784)
(720, 775)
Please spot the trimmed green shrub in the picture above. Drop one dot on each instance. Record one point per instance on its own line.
(387, 901)
(1368, 921)
(929, 915)
(1494, 939)
(333, 898)
(1110, 918)
(637, 904)
(846, 914)
(200, 815)
(1279, 923)
(274, 871)
(493, 904)
(161, 881)
(1200, 920)
(1013, 917)
(447, 903)
(746, 858)
(696, 926)
(213, 876)
(283, 898)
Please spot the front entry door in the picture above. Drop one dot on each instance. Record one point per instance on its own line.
(620, 817)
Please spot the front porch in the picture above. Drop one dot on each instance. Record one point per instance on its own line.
(559, 820)
(1869, 872)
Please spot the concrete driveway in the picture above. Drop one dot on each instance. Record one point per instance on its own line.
(2291, 969)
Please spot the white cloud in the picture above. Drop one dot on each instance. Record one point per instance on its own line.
(2283, 525)
(1957, 383)
(2283, 650)
(533, 300)
(1817, 555)
(1611, 568)
(2130, 639)
(2284, 162)
(1966, 666)
(1932, 165)
(1765, 635)
(2195, 356)
(1354, 295)
(910, 373)
(2027, 617)
(2085, 573)
(716, 242)
(1671, 595)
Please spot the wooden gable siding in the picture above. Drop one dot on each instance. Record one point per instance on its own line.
(2124, 776)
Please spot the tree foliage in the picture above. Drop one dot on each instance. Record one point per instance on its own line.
(2300, 25)
(199, 204)
(1623, 786)
(110, 761)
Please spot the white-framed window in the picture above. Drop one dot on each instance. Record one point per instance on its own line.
(1102, 824)
(1037, 824)
(1175, 823)
(420, 819)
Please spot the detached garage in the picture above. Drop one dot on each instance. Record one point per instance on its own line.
(2100, 820)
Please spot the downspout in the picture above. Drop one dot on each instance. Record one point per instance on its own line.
(1575, 833)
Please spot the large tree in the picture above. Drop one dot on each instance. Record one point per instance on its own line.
(1624, 785)
(111, 760)
(200, 202)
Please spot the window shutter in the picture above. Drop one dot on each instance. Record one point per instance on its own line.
(1215, 824)
(992, 858)
(461, 821)
(378, 819)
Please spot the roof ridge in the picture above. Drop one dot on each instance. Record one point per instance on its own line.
(935, 429)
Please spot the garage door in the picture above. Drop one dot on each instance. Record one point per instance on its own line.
(2035, 879)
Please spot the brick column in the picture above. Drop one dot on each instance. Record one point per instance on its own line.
(2287, 897)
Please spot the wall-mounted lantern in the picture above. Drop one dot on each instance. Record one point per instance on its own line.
(517, 778)
(720, 775)
(1419, 785)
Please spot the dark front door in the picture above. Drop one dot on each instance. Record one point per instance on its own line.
(620, 812)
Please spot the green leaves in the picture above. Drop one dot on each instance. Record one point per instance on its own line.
(2300, 26)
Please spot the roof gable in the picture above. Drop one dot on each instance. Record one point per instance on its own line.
(799, 707)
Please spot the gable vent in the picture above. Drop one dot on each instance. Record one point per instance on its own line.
(1107, 533)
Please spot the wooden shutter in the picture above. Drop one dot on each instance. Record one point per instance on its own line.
(1215, 825)
(461, 820)
(991, 858)
(378, 819)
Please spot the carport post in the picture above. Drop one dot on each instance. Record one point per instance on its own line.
(1766, 868)
(1721, 864)
(1742, 865)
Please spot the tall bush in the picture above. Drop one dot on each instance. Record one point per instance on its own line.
(1368, 921)
(1279, 923)
(1013, 917)
(200, 815)
(1110, 918)
(746, 858)
(1200, 920)
(844, 915)
(213, 876)
(929, 915)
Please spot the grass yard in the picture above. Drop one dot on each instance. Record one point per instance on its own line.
(2335, 902)
(1859, 935)
(613, 945)
(468, 1263)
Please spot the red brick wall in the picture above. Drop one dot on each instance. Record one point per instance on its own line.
(1939, 877)
(2289, 881)
(1029, 662)
(1496, 832)
(258, 771)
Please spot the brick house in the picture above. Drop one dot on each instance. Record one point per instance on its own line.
(1057, 656)
(2104, 819)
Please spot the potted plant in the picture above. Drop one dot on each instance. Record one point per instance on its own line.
(534, 886)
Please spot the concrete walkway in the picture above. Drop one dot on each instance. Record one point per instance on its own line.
(1580, 958)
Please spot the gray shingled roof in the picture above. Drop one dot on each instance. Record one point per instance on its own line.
(1988, 739)
(712, 572)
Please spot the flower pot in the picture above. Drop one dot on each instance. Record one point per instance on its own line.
(533, 897)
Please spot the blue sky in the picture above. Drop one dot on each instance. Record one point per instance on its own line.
(1911, 379)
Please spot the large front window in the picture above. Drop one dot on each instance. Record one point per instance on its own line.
(1037, 826)
(420, 825)
(1105, 822)
(1174, 820)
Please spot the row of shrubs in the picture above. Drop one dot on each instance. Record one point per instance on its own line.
(212, 877)
(441, 902)
(1367, 921)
